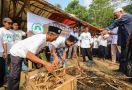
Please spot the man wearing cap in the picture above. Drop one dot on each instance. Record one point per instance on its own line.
(27, 48)
(3, 47)
(124, 23)
(8, 35)
(60, 47)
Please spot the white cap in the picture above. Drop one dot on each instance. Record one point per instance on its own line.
(117, 10)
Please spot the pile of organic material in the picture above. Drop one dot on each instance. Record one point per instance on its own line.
(91, 80)
(45, 81)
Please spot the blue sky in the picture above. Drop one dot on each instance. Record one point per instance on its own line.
(85, 3)
(64, 3)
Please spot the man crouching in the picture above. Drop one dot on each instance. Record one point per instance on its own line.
(27, 48)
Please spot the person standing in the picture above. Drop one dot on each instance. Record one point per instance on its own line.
(85, 44)
(102, 39)
(95, 46)
(114, 47)
(124, 23)
(8, 36)
(28, 48)
(3, 48)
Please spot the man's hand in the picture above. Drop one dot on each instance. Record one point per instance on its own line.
(49, 67)
(104, 32)
(56, 61)
(4, 55)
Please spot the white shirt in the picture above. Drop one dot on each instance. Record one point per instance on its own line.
(59, 42)
(1, 42)
(85, 39)
(8, 36)
(18, 35)
(102, 40)
(115, 37)
(75, 34)
(95, 42)
(33, 44)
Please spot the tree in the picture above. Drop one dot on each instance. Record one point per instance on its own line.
(128, 9)
(75, 8)
(100, 13)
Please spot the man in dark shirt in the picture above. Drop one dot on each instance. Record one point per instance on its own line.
(124, 23)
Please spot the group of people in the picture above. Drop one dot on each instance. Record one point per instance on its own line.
(10, 34)
(13, 50)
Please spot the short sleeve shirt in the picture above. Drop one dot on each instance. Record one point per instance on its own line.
(33, 44)
(18, 35)
(8, 37)
(59, 42)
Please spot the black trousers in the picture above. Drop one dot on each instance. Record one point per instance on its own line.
(2, 71)
(14, 76)
(102, 51)
(123, 60)
(86, 52)
(95, 51)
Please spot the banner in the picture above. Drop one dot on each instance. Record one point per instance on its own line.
(36, 24)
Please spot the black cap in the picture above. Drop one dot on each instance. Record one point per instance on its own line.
(54, 29)
(72, 38)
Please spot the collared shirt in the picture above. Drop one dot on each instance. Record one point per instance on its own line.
(85, 39)
(33, 44)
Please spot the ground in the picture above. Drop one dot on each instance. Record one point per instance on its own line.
(101, 75)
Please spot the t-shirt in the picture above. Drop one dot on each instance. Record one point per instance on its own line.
(18, 35)
(102, 41)
(85, 39)
(8, 36)
(59, 42)
(95, 42)
(33, 44)
(1, 41)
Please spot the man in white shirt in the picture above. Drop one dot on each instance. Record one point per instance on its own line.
(75, 47)
(3, 48)
(95, 46)
(114, 46)
(61, 45)
(85, 44)
(102, 39)
(27, 48)
(8, 36)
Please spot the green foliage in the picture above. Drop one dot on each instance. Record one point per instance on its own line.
(128, 9)
(100, 13)
(75, 8)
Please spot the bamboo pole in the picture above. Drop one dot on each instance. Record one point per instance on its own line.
(30, 65)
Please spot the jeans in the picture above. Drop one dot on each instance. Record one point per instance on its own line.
(14, 76)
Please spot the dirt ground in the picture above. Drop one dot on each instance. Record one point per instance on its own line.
(102, 75)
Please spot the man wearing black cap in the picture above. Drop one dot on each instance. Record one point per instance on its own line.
(27, 48)
(60, 47)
